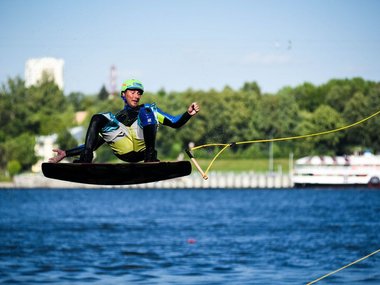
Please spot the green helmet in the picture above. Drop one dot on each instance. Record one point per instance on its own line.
(133, 84)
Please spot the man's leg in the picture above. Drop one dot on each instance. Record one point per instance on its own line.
(97, 122)
(150, 143)
(149, 124)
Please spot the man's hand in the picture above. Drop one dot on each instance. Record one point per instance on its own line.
(61, 154)
(193, 109)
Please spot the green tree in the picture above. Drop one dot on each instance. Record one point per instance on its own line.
(13, 111)
(65, 140)
(48, 109)
(103, 94)
(21, 149)
(26, 113)
(340, 91)
(324, 118)
(337, 96)
(308, 96)
(251, 87)
(76, 99)
(356, 108)
(161, 92)
(279, 115)
(14, 167)
(373, 126)
(176, 104)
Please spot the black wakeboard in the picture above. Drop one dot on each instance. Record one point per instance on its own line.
(116, 173)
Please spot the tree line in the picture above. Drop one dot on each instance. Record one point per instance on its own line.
(229, 115)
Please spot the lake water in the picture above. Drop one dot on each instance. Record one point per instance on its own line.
(188, 236)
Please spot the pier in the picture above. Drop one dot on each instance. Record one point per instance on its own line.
(217, 180)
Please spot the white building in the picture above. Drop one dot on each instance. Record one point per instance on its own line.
(45, 144)
(36, 68)
(43, 150)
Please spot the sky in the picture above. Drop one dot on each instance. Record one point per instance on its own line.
(198, 44)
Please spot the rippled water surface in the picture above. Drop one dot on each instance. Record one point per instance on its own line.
(188, 236)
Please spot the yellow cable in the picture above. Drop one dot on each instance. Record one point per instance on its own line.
(344, 267)
(208, 145)
(225, 146)
(215, 157)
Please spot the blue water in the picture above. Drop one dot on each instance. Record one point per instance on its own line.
(188, 236)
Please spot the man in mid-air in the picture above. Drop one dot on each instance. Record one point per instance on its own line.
(131, 133)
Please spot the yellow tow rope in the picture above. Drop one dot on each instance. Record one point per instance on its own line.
(344, 267)
(226, 145)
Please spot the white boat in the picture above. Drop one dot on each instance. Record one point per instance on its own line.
(351, 170)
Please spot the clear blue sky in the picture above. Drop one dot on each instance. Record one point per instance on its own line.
(202, 44)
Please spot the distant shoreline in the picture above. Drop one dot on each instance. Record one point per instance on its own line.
(217, 180)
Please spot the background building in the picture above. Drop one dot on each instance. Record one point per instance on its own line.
(45, 144)
(37, 68)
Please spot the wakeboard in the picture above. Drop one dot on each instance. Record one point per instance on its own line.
(116, 173)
